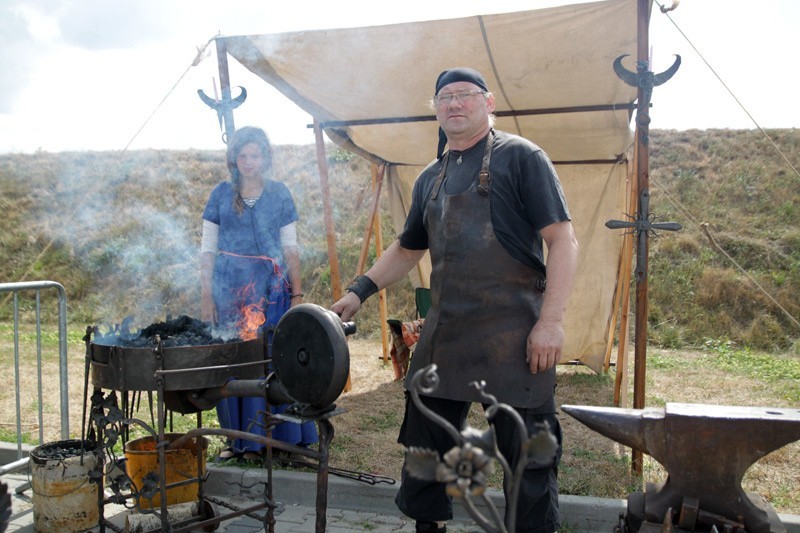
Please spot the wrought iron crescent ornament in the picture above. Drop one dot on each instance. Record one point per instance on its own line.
(223, 105)
(644, 78)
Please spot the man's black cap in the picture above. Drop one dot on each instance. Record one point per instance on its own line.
(460, 74)
(451, 76)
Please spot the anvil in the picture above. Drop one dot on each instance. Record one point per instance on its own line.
(705, 449)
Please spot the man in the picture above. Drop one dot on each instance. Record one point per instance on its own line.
(483, 210)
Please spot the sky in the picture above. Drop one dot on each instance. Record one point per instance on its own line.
(105, 75)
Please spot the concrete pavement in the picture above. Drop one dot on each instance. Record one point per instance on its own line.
(352, 505)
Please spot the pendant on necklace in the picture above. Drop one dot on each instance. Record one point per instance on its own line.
(458, 161)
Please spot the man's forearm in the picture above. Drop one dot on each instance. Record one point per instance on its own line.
(562, 261)
(393, 265)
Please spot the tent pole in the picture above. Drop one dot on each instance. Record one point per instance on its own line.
(615, 306)
(377, 185)
(373, 225)
(225, 87)
(382, 304)
(644, 80)
(621, 379)
(643, 179)
(618, 310)
(330, 233)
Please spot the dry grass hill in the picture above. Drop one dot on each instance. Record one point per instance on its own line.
(121, 230)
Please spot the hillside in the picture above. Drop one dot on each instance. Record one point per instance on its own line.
(121, 232)
(736, 182)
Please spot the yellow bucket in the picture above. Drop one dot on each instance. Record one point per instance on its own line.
(142, 459)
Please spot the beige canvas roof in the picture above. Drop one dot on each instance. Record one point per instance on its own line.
(551, 73)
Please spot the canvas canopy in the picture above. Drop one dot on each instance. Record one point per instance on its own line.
(551, 73)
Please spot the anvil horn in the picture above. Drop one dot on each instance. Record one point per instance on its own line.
(625, 426)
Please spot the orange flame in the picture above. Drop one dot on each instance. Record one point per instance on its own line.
(252, 317)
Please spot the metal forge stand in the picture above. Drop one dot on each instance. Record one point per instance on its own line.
(309, 340)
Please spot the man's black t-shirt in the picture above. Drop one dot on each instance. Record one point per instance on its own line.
(525, 195)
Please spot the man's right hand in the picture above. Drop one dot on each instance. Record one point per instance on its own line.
(347, 306)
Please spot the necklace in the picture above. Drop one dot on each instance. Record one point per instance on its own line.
(459, 160)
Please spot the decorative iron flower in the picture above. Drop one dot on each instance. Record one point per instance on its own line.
(465, 470)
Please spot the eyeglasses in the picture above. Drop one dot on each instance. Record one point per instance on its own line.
(445, 99)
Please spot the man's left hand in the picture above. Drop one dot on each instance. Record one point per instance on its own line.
(544, 345)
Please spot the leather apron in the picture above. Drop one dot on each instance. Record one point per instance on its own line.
(484, 302)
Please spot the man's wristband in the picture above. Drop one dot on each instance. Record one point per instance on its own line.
(363, 287)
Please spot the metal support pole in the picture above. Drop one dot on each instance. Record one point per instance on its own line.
(643, 186)
(644, 80)
(225, 87)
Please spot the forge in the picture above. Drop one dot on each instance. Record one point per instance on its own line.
(303, 361)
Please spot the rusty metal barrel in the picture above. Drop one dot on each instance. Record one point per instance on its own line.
(64, 499)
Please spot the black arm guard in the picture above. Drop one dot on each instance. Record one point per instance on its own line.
(363, 287)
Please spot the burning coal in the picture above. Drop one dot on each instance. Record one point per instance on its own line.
(182, 331)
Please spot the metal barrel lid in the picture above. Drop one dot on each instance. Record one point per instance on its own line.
(310, 355)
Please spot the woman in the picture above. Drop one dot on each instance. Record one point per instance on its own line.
(250, 261)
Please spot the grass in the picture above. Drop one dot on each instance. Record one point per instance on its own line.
(781, 372)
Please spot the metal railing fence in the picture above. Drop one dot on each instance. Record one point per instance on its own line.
(14, 289)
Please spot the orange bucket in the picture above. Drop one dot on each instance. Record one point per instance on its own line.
(142, 460)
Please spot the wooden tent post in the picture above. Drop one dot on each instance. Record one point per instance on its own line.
(623, 277)
(330, 232)
(327, 209)
(382, 303)
(642, 179)
(644, 80)
(621, 378)
(377, 184)
(374, 226)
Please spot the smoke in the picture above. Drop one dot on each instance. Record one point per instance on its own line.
(133, 223)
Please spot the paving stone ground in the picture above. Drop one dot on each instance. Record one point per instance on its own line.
(351, 506)
(290, 517)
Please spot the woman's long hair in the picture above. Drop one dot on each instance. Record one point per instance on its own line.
(242, 137)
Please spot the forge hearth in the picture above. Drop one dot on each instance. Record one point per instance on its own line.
(181, 331)
(185, 348)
